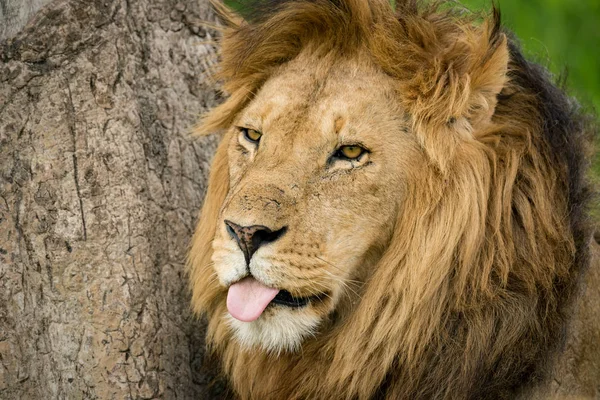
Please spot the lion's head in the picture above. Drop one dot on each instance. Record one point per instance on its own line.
(318, 164)
(388, 211)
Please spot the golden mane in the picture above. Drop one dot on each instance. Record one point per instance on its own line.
(468, 298)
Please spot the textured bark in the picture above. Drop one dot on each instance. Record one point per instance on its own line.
(100, 186)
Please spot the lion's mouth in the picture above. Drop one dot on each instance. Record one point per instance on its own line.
(285, 298)
(248, 298)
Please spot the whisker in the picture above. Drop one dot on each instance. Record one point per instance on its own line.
(353, 281)
(345, 285)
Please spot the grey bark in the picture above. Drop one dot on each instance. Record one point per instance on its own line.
(100, 186)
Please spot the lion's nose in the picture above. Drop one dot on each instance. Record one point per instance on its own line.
(250, 238)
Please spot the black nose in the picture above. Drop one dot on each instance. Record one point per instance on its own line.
(250, 238)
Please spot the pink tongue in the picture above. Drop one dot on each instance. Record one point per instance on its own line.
(247, 299)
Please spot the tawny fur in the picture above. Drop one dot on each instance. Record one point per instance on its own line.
(463, 294)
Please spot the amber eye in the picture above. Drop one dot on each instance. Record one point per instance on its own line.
(252, 135)
(350, 152)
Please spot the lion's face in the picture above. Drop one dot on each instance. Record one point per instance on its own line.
(316, 166)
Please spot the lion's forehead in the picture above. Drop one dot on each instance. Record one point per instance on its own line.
(308, 107)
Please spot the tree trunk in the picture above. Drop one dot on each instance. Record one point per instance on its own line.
(100, 186)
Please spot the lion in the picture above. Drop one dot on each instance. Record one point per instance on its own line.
(397, 208)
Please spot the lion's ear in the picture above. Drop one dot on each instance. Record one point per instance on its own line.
(488, 72)
(453, 95)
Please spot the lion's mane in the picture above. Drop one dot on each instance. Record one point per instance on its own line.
(468, 298)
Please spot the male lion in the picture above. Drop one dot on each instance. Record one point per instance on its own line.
(397, 208)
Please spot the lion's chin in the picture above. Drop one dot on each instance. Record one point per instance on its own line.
(279, 329)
